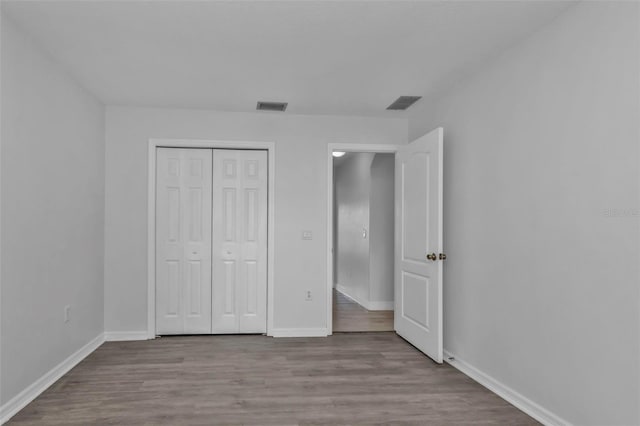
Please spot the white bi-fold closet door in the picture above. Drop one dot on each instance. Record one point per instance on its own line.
(239, 241)
(183, 241)
(211, 241)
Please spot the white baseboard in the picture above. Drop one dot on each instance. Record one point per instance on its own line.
(380, 306)
(342, 289)
(299, 332)
(18, 402)
(367, 304)
(536, 411)
(345, 291)
(121, 336)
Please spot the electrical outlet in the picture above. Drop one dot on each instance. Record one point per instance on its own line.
(308, 296)
(67, 313)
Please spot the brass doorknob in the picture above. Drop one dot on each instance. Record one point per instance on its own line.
(443, 256)
(432, 256)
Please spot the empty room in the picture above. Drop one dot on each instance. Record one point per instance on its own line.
(320, 212)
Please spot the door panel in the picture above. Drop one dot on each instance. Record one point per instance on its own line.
(183, 241)
(415, 290)
(415, 173)
(240, 245)
(418, 280)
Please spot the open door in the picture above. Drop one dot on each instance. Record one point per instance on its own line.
(418, 244)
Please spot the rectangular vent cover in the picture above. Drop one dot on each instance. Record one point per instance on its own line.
(403, 102)
(271, 106)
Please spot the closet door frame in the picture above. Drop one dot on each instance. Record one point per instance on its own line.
(154, 144)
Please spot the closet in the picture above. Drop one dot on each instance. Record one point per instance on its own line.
(211, 241)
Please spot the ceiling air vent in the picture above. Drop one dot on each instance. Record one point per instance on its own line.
(403, 102)
(271, 106)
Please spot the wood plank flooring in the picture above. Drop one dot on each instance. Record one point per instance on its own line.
(349, 316)
(354, 378)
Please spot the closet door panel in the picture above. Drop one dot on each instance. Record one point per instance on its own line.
(183, 241)
(239, 241)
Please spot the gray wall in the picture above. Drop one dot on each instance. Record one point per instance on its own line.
(381, 224)
(52, 214)
(300, 200)
(541, 285)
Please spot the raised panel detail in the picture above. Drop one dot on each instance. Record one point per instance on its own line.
(415, 298)
(415, 180)
(195, 288)
(195, 214)
(229, 287)
(173, 288)
(229, 167)
(252, 287)
(251, 213)
(173, 167)
(173, 201)
(229, 214)
(251, 167)
(195, 167)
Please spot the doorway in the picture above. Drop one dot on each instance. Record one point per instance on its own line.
(363, 240)
(360, 221)
(418, 239)
(209, 237)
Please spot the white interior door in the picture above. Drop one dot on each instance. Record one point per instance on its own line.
(183, 241)
(418, 244)
(239, 241)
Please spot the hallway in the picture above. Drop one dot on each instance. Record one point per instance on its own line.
(348, 316)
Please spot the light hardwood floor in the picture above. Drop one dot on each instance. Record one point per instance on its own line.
(349, 316)
(356, 378)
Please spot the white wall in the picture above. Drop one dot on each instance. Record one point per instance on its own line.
(52, 214)
(381, 233)
(352, 183)
(300, 200)
(541, 285)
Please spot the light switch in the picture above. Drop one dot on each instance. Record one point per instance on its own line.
(307, 235)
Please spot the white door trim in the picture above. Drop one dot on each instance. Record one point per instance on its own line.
(154, 143)
(346, 147)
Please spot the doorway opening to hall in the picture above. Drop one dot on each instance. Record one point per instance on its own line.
(363, 241)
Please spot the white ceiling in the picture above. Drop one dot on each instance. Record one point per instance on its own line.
(331, 57)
